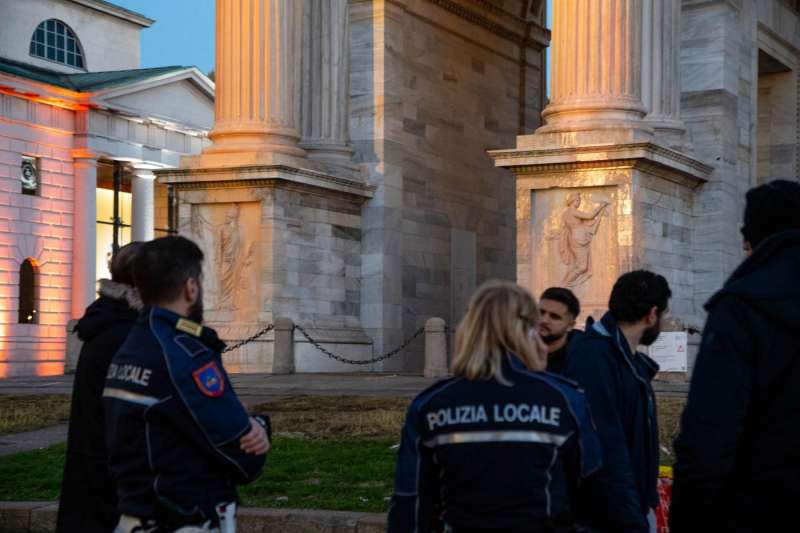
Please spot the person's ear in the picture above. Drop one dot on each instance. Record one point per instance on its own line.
(652, 317)
(191, 290)
(571, 324)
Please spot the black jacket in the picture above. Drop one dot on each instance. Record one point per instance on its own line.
(482, 455)
(617, 382)
(738, 454)
(174, 422)
(88, 497)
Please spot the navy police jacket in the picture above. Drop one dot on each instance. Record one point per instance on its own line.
(617, 382)
(479, 454)
(173, 422)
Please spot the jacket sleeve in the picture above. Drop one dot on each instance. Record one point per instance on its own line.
(415, 502)
(583, 455)
(714, 416)
(612, 489)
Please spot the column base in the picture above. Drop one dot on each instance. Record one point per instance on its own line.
(279, 241)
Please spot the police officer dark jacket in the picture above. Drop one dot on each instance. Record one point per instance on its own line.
(482, 455)
(618, 385)
(173, 423)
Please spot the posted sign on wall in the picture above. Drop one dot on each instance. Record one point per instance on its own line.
(669, 351)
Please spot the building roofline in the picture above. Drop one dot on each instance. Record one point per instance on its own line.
(114, 10)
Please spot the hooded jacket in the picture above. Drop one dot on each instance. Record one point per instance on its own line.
(738, 453)
(617, 383)
(88, 497)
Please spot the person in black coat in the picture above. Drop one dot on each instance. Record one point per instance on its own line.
(620, 498)
(559, 310)
(88, 496)
(737, 463)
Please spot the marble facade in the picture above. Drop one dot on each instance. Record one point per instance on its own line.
(354, 137)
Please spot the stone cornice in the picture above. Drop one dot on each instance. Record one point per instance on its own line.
(261, 176)
(593, 157)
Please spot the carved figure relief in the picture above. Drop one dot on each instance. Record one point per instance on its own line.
(576, 230)
(232, 256)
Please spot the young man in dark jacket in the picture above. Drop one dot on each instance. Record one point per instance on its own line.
(738, 454)
(617, 381)
(559, 308)
(88, 497)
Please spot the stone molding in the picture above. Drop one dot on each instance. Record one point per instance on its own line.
(260, 176)
(593, 157)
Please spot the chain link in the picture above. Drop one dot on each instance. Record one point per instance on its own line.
(263, 331)
(341, 359)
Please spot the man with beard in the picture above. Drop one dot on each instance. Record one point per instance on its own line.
(179, 440)
(737, 457)
(558, 308)
(621, 497)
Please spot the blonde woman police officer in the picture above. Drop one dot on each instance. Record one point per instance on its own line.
(502, 445)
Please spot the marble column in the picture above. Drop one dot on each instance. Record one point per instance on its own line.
(258, 63)
(596, 58)
(143, 213)
(326, 74)
(661, 90)
(84, 233)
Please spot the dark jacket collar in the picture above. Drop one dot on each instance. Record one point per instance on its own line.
(769, 279)
(609, 328)
(207, 336)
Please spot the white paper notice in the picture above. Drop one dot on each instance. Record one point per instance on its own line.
(669, 351)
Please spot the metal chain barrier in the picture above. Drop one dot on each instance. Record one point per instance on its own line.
(341, 359)
(251, 338)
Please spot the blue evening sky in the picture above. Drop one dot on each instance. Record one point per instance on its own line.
(184, 32)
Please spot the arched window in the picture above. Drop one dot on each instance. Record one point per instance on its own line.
(28, 314)
(55, 41)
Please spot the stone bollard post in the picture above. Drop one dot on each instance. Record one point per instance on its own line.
(283, 353)
(435, 349)
(74, 346)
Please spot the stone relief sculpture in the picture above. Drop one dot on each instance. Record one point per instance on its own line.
(233, 257)
(576, 230)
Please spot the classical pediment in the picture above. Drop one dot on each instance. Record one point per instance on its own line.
(185, 97)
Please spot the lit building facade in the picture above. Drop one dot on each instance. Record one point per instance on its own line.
(82, 127)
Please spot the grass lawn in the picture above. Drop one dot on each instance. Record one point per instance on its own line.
(25, 413)
(328, 453)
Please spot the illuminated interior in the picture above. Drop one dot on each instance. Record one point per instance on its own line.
(105, 227)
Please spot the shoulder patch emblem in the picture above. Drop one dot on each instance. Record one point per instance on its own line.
(190, 345)
(209, 380)
(187, 326)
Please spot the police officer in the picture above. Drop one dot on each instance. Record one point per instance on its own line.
(501, 446)
(179, 440)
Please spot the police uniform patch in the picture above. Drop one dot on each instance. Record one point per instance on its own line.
(209, 380)
(187, 326)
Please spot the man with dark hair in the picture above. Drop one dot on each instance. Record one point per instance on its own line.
(617, 378)
(88, 500)
(179, 439)
(737, 456)
(558, 308)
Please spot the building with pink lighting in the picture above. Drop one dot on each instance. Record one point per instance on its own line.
(82, 127)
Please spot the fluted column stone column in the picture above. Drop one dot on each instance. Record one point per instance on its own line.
(258, 64)
(596, 58)
(326, 74)
(143, 199)
(661, 90)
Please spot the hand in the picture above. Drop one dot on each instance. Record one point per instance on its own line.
(256, 440)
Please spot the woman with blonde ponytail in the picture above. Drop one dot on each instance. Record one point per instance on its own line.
(501, 445)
